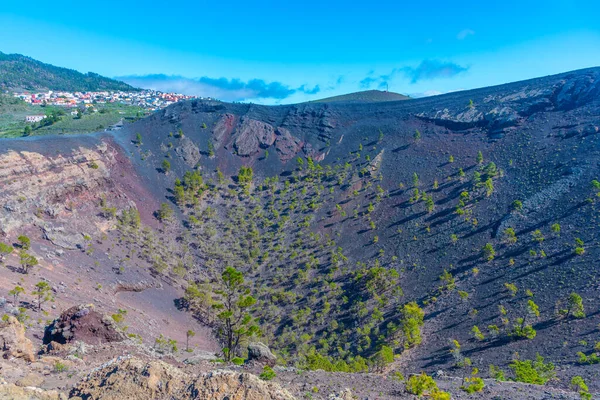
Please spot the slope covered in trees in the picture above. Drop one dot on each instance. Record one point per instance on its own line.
(18, 72)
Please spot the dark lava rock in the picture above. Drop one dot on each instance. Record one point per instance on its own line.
(82, 323)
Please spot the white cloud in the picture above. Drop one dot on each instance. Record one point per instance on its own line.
(464, 33)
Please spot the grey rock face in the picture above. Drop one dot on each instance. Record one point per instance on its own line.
(260, 352)
(188, 151)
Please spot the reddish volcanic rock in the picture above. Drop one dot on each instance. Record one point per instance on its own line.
(223, 129)
(82, 323)
(287, 145)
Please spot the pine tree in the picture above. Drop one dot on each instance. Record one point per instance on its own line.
(234, 304)
(43, 292)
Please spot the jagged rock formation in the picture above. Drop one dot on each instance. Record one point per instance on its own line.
(82, 323)
(252, 135)
(135, 379)
(13, 342)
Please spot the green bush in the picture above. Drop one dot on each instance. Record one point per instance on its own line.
(473, 384)
(535, 372)
(237, 360)
(420, 385)
(579, 384)
(424, 385)
(60, 367)
(267, 373)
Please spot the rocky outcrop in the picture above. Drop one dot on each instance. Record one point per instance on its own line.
(345, 394)
(223, 129)
(13, 342)
(218, 385)
(57, 185)
(11, 391)
(82, 323)
(252, 135)
(286, 145)
(134, 379)
(260, 352)
(63, 238)
(137, 287)
(188, 151)
(498, 113)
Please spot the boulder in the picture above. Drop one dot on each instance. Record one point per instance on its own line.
(66, 239)
(260, 352)
(13, 342)
(85, 324)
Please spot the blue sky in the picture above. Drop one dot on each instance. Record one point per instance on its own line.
(284, 52)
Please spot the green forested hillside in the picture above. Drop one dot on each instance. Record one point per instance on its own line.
(21, 72)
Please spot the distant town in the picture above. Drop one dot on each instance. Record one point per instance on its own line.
(150, 100)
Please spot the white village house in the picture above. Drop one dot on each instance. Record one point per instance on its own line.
(34, 118)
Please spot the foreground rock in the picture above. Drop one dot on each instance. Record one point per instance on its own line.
(134, 379)
(10, 391)
(82, 323)
(13, 342)
(231, 385)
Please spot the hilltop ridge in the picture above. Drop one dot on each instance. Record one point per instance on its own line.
(367, 96)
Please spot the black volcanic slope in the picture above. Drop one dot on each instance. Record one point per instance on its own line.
(313, 237)
(367, 96)
(19, 72)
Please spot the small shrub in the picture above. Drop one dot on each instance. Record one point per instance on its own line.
(60, 367)
(237, 360)
(488, 252)
(424, 385)
(267, 374)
